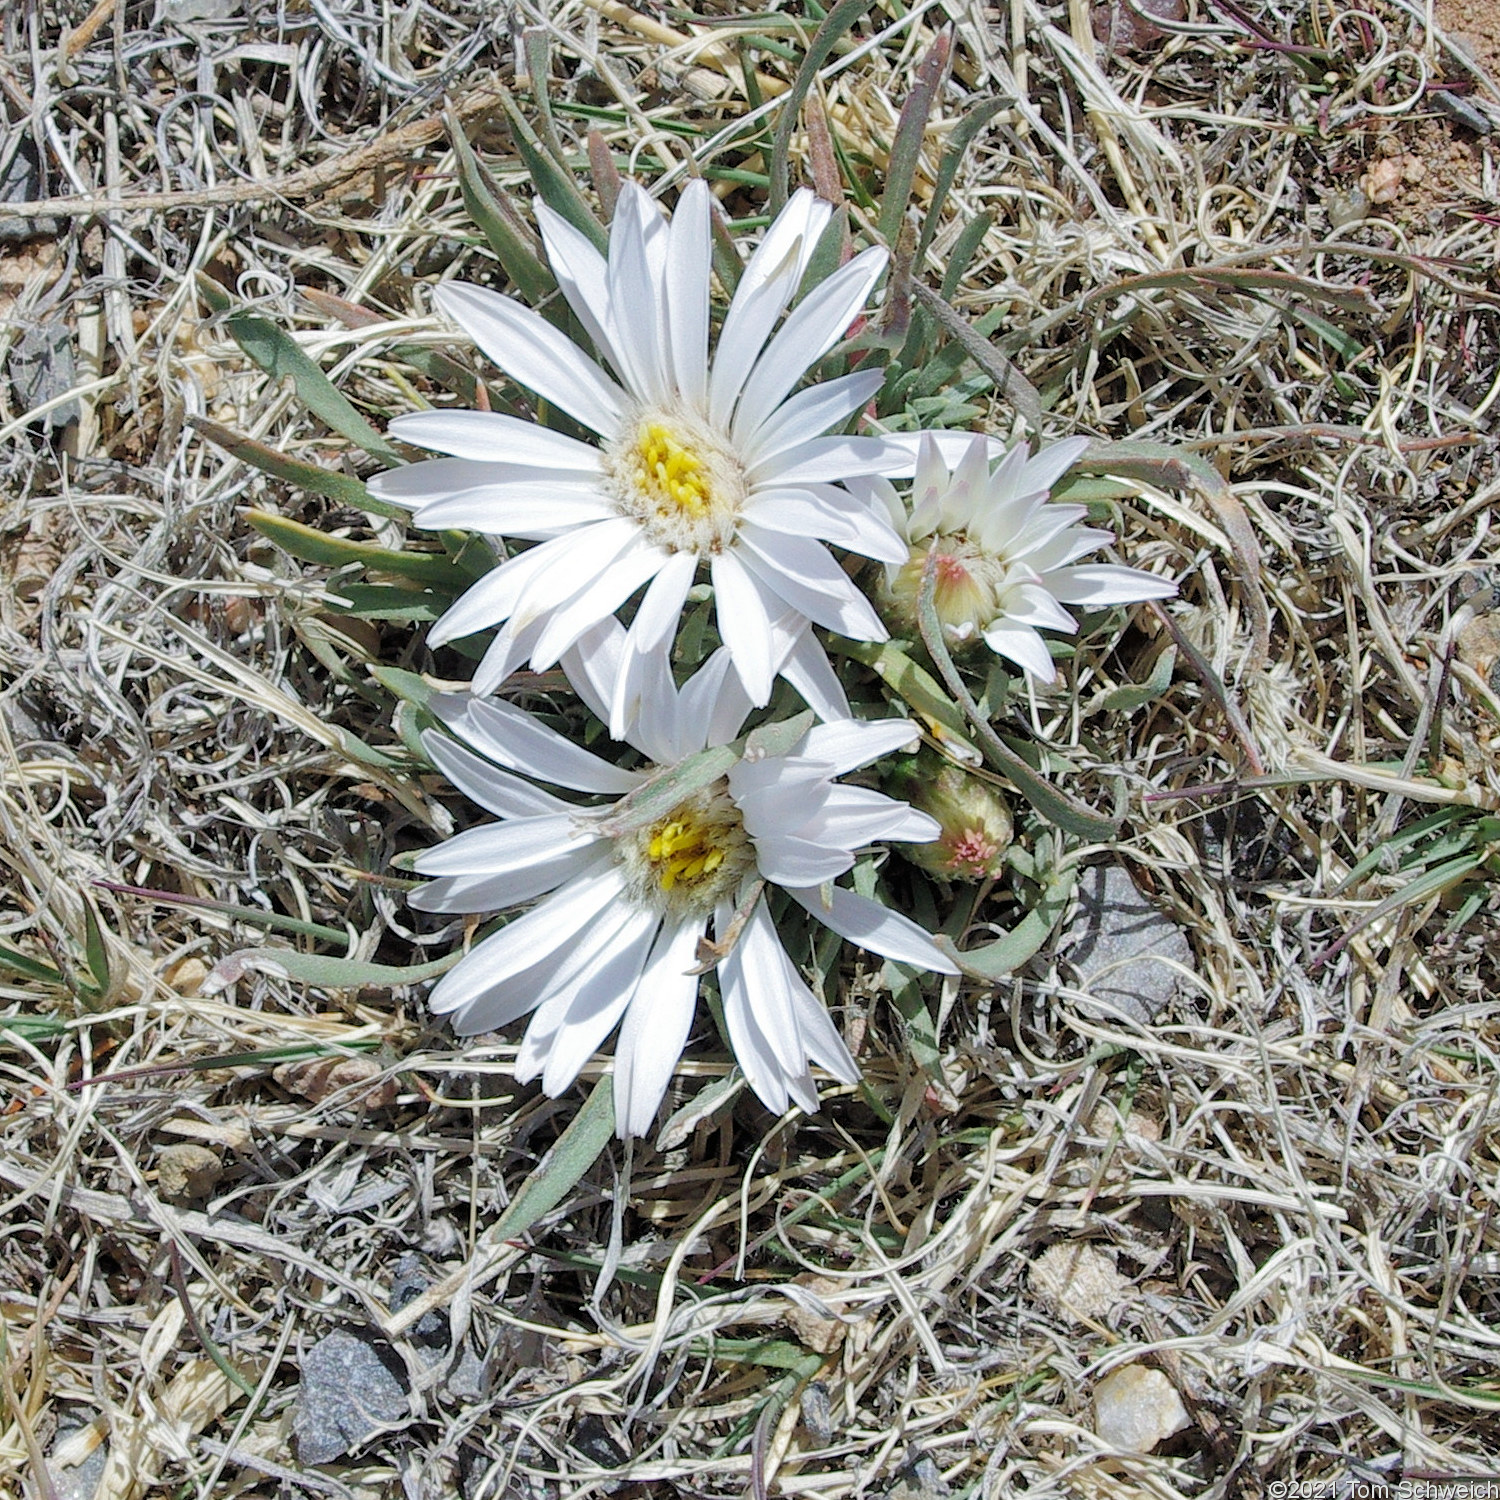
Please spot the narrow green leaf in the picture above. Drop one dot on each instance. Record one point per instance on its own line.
(349, 973)
(95, 949)
(218, 300)
(921, 1029)
(33, 1028)
(1128, 699)
(778, 738)
(553, 182)
(911, 130)
(958, 143)
(280, 356)
(27, 967)
(1009, 381)
(774, 1354)
(965, 247)
(912, 683)
(407, 686)
(1007, 954)
(307, 543)
(386, 601)
(577, 1149)
(271, 921)
(343, 488)
(835, 24)
(502, 227)
(657, 797)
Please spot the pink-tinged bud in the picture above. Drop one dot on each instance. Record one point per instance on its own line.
(975, 819)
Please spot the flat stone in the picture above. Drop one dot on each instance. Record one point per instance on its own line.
(352, 1386)
(1135, 1408)
(1116, 942)
(80, 1481)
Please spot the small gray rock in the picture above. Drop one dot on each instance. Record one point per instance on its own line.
(21, 182)
(917, 1479)
(81, 1481)
(352, 1386)
(42, 368)
(1116, 941)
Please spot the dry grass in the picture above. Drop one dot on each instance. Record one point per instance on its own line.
(1295, 1167)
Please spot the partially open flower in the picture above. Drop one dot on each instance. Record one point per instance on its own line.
(1003, 556)
(627, 902)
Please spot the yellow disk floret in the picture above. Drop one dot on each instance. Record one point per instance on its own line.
(673, 475)
(683, 852)
(693, 858)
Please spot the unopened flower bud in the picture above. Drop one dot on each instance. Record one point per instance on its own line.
(975, 820)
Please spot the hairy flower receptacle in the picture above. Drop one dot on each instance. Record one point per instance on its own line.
(675, 476)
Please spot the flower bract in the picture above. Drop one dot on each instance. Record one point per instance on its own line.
(698, 464)
(619, 936)
(1003, 555)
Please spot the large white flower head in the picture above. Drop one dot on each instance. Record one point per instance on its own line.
(1004, 555)
(699, 461)
(627, 902)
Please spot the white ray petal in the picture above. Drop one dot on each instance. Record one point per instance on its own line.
(763, 963)
(874, 927)
(581, 275)
(535, 354)
(526, 512)
(1098, 584)
(594, 1006)
(808, 670)
(826, 460)
(816, 324)
(803, 574)
(689, 258)
(494, 790)
(656, 1026)
(815, 512)
(634, 300)
(810, 414)
(1031, 604)
(435, 479)
(514, 739)
(574, 562)
(493, 597)
(784, 859)
(502, 656)
(1022, 645)
(769, 282)
(602, 596)
(529, 940)
(494, 848)
(494, 437)
(744, 626)
(851, 743)
(480, 893)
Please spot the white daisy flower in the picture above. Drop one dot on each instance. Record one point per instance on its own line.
(616, 941)
(1006, 555)
(699, 461)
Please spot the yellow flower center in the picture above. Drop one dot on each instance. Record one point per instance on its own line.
(673, 473)
(693, 858)
(683, 852)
